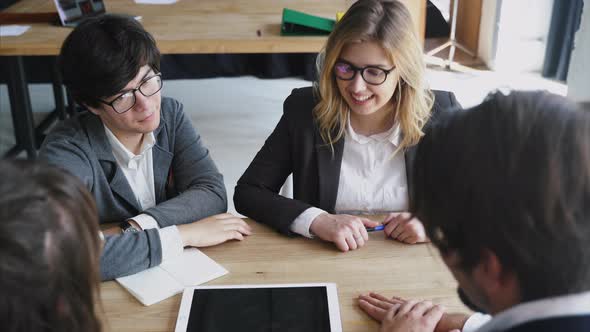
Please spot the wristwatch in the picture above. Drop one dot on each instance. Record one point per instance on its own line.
(126, 227)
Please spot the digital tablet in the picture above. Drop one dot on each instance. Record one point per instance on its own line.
(254, 308)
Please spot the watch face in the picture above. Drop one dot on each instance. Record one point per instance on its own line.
(131, 229)
(127, 227)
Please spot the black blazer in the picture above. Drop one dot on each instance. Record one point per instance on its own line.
(295, 146)
(577, 323)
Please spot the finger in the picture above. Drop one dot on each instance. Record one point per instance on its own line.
(236, 236)
(341, 244)
(434, 313)
(393, 299)
(390, 217)
(234, 223)
(383, 304)
(358, 237)
(421, 307)
(407, 237)
(394, 310)
(399, 229)
(406, 307)
(351, 242)
(397, 298)
(242, 229)
(242, 222)
(369, 223)
(364, 233)
(376, 313)
(391, 226)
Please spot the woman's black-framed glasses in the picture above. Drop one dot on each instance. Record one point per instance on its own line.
(126, 100)
(373, 75)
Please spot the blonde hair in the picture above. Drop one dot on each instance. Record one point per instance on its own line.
(388, 23)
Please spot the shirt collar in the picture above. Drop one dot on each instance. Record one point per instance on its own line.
(122, 154)
(567, 305)
(393, 134)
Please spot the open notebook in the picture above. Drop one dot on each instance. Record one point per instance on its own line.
(153, 285)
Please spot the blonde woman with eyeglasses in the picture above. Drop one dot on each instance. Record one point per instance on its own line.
(349, 141)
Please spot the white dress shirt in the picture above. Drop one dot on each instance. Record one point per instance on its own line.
(139, 172)
(567, 305)
(372, 180)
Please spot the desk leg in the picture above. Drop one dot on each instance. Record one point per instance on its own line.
(20, 107)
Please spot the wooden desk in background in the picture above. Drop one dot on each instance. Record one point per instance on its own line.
(382, 265)
(203, 26)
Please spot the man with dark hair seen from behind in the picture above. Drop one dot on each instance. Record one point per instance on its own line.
(135, 151)
(509, 214)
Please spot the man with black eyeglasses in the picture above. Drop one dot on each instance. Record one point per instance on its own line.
(136, 151)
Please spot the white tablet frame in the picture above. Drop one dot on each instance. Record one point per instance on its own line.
(331, 291)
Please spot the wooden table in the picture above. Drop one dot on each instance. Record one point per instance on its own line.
(199, 26)
(382, 265)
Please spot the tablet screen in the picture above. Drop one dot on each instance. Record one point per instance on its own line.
(259, 309)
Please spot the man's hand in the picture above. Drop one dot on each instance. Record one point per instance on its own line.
(377, 305)
(345, 231)
(404, 228)
(214, 230)
(412, 316)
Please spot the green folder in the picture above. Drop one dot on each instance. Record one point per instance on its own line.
(297, 23)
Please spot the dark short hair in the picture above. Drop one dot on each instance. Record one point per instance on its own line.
(511, 175)
(49, 250)
(103, 54)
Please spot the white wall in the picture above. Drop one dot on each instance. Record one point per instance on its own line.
(513, 34)
(522, 34)
(488, 28)
(579, 71)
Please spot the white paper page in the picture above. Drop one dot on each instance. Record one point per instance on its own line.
(13, 30)
(194, 268)
(155, 2)
(153, 285)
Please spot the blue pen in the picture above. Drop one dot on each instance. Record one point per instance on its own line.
(376, 228)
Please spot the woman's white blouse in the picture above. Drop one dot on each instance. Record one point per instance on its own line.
(372, 178)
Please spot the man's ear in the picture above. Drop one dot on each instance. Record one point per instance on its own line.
(93, 110)
(498, 283)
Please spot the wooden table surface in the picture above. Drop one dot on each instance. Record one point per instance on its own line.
(197, 26)
(382, 265)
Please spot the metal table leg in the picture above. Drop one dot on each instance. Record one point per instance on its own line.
(20, 107)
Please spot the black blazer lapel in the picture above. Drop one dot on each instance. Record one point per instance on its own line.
(328, 172)
(410, 156)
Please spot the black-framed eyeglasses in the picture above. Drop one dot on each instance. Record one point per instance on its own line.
(126, 100)
(373, 75)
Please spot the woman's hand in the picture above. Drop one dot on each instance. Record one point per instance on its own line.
(345, 231)
(214, 230)
(404, 228)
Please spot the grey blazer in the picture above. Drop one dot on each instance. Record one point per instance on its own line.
(188, 186)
